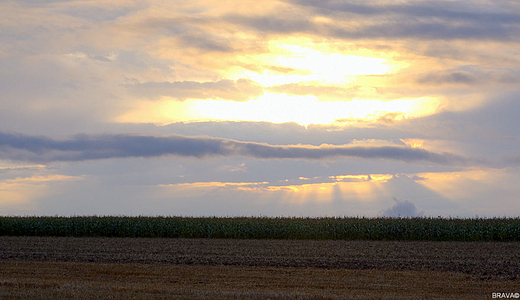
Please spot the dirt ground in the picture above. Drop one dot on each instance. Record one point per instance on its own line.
(122, 268)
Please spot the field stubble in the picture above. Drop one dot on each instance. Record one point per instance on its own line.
(67, 267)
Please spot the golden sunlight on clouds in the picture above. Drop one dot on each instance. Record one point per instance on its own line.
(479, 191)
(253, 103)
(300, 61)
(40, 179)
(276, 108)
(21, 167)
(364, 187)
(161, 112)
(457, 185)
(280, 108)
(364, 190)
(359, 178)
(305, 110)
(297, 60)
(215, 184)
(17, 193)
(414, 143)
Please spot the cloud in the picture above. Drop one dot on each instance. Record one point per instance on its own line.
(205, 42)
(423, 20)
(425, 30)
(239, 90)
(491, 128)
(510, 160)
(274, 24)
(499, 11)
(319, 90)
(85, 147)
(15, 168)
(403, 208)
(456, 77)
(98, 11)
(326, 151)
(472, 75)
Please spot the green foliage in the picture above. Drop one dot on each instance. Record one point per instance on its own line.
(424, 229)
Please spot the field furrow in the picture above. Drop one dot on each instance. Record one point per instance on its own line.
(481, 260)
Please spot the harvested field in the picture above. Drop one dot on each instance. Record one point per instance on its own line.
(69, 280)
(49, 267)
(482, 260)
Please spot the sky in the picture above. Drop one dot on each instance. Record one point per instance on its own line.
(306, 108)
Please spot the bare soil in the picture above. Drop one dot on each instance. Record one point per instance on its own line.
(122, 268)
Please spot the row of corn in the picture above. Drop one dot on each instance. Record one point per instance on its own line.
(345, 228)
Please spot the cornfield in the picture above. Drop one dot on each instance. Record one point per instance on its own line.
(346, 228)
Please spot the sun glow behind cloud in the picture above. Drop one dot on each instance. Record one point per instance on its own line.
(305, 110)
(18, 192)
(292, 62)
(281, 108)
(433, 98)
(364, 187)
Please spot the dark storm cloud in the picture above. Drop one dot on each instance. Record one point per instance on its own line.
(239, 90)
(86, 147)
